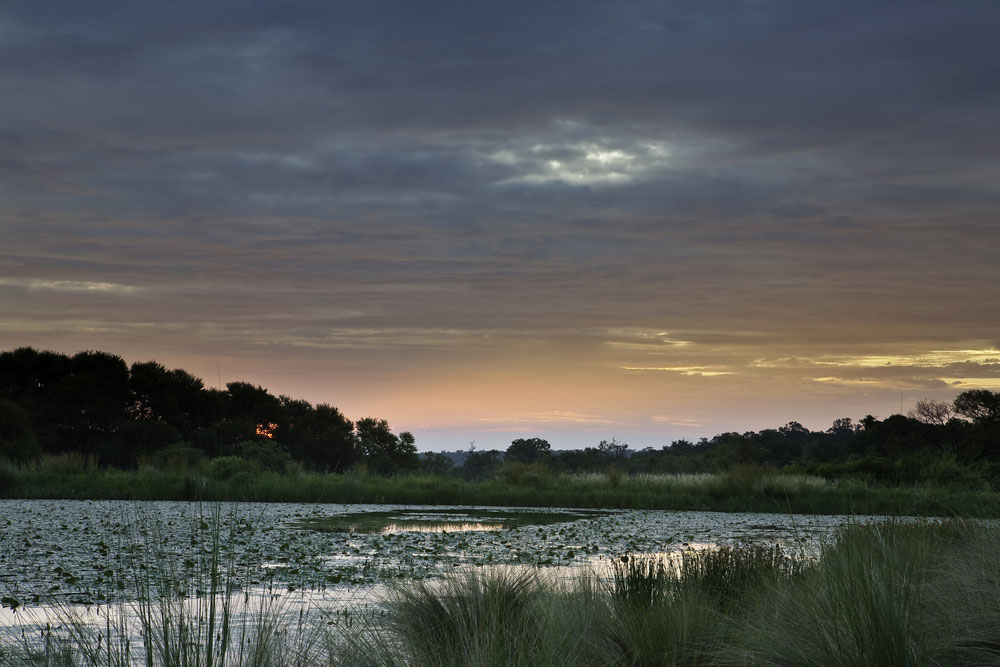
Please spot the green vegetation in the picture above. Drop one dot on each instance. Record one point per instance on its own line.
(89, 426)
(889, 593)
(742, 488)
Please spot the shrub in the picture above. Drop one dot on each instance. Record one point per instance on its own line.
(526, 474)
(227, 467)
(267, 455)
(10, 480)
(67, 463)
(178, 456)
(947, 472)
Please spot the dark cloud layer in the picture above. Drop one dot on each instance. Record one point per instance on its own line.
(457, 185)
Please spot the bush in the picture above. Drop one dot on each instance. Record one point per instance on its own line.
(227, 467)
(67, 463)
(946, 471)
(10, 481)
(526, 474)
(178, 456)
(268, 455)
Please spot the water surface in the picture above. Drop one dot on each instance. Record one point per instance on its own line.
(76, 551)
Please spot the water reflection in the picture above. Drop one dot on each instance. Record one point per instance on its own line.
(440, 527)
(431, 520)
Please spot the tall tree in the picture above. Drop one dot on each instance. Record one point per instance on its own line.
(385, 453)
(979, 405)
(170, 401)
(319, 437)
(90, 405)
(528, 450)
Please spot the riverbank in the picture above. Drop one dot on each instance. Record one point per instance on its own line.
(749, 489)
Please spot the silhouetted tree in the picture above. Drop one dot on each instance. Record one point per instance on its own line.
(528, 450)
(937, 413)
(385, 453)
(173, 396)
(979, 405)
(613, 450)
(981, 441)
(843, 427)
(319, 437)
(17, 437)
(480, 465)
(435, 463)
(731, 449)
(255, 412)
(89, 408)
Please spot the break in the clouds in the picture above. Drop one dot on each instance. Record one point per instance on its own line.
(569, 219)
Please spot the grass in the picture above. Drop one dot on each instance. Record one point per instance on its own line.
(875, 598)
(741, 489)
(888, 593)
(880, 594)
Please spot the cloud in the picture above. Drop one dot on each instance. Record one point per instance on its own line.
(70, 286)
(683, 370)
(677, 421)
(586, 162)
(767, 194)
(547, 419)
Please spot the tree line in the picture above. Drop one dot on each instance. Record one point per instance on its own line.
(941, 442)
(94, 404)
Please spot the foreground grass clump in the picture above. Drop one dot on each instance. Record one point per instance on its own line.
(742, 488)
(883, 594)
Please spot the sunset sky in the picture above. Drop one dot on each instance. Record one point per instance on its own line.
(487, 220)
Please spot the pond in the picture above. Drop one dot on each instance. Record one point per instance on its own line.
(85, 553)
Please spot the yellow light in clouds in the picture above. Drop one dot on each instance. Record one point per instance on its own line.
(860, 382)
(929, 359)
(973, 383)
(683, 370)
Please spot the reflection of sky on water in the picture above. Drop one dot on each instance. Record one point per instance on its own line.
(449, 527)
(292, 610)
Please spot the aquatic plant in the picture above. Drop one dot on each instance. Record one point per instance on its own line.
(185, 610)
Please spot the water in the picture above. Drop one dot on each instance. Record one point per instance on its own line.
(85, 556)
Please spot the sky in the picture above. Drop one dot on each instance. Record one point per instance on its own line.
(488, 220)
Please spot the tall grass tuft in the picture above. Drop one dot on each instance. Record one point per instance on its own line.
(963, 602)
(732, 574)
(497, 617)
(865, 603)
(656, 618)
(642, 581)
